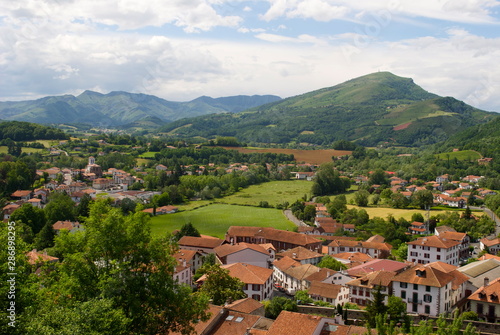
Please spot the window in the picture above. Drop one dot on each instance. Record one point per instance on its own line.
(354, 291)
(403, 285)
(255, 287)
(403, 294)
(415, 286)
(427, 309)
(256, 297)
(427, 289)
(438, 249)
(438, 257)
(414, 308)
(367, 293)
(479, 309)
(427, 298)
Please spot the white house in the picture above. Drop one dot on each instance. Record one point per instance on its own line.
(492, 245)
(485, 301)
(430, 289)
(253, 254)
(432, 249)
(330, 293)
(361, 289)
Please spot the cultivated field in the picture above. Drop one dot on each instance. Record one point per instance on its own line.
(464, 155)
(307, 156)
(214, 220)
(274, 192)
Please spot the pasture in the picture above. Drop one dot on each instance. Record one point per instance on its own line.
(464, 155)
(274, 192)
(214, 220)
(307, 156)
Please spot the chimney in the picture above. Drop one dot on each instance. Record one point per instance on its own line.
(486, 281)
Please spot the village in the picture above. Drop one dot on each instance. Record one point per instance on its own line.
(435, 279)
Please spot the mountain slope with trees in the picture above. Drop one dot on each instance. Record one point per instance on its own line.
(371, 110)
(118, 108)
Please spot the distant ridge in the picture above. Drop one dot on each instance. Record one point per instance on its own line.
(376, 109)
(121, 108)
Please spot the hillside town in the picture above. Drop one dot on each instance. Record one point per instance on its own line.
(436, 277)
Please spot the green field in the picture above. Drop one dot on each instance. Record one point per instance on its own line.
(149, 154)
(274, 192)
(214, 220)
(4, 150)
(464, 155)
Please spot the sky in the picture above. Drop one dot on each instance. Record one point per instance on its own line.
(182, 49)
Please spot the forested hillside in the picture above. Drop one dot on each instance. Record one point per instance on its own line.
(371, 110)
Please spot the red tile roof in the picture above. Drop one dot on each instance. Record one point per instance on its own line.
(299, 253)
(228, 249)
(435, 242)
(290, 323)
(325, 290)
(200, 242)
(488, 293)
(376, 265)
(249, 274)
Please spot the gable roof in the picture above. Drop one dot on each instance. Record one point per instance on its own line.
(200, 242)
(290, 323)
(324, 289)
(228, 249)
(435, 242)
(285, 263)
(321, 275)
(362, 244)
(35, 257)
(248, 274)
(235, 323)
(302, 271)
(453, 235)
(246, 305)
(430, 276)
(69, 225)
(272, 234)
(377, 265)
(299, 253)
(376, 278)
(489, 293)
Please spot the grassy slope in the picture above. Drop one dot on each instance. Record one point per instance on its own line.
(460, 155)
(215, 219)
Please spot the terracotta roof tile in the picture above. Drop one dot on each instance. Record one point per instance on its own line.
(246, 305)
(200, 242)
(488, 293)
(249, 274)
(285, 263)
(326, 290)
(300, 253)
(290, 323)
(228, 249)
(382, 278)
(435, 242)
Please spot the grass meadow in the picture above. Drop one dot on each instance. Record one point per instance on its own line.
(215, 219)
(464, 155)
(274, 192)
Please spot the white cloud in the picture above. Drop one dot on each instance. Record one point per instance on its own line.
(466, 11)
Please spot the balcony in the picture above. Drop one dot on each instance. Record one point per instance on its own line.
(414, 301)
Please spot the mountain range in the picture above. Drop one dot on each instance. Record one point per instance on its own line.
(376, 109)
(122, 108)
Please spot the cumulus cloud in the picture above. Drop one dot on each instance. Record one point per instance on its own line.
(466, 11)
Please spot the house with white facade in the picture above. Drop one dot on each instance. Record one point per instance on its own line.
(429, 290)
(302, 255)
(253, 254)
(330, 293)
(374, 249)
(432, 249)
(361, 289)
(258, 280)
(492, 245)
(485, 301)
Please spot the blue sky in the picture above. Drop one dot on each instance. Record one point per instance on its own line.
(182, 49)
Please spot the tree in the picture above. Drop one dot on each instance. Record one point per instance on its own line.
(337, 206)
(418, 217)
(116, 258)
(378, 177)
(361, 198)
(30, 215)
(83, 208)
(128, 206)
(396, 311)
(45, 238)
(302, 297)
(220, 287)
(187, 229)
(375, 306)
(278, 304)
(309, 213)
(331, 263)
(402, 251)
(60, 208)
(423, 199)
(399, 200)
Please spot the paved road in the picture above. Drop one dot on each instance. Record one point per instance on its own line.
(291, 217)
(492, 215)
